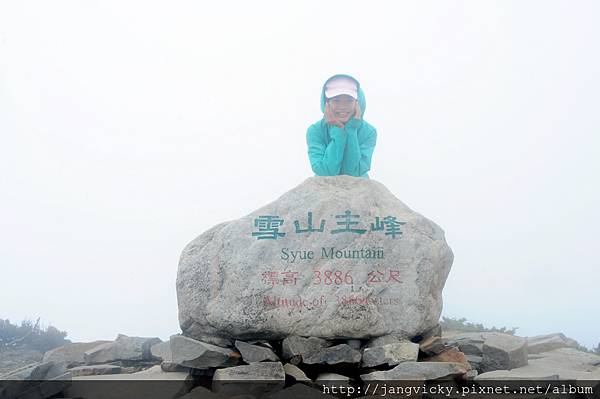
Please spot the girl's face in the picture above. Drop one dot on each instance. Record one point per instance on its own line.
(343, 107)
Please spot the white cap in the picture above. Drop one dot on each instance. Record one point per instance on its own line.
(341, 85)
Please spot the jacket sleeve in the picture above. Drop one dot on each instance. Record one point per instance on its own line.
(358, 153)
(326, 158)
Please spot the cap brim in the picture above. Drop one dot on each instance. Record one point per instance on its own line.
(337, 92)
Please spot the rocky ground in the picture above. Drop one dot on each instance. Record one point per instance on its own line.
(304, 364)
(14, 358)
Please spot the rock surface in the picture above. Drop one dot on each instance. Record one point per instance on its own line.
(548, 342)
(36, 381)
(418, 371)
(97, 369)
(341, 353)
(189, 352)
(295, 347)
(390, 354)
(320, 363)
(255, 353)
(568, 363)
(71, 354)
(162, 351)
(502, 351)
(123, 348)
(37, 371)
(15, 358)
(332, 380)
(391, 265)
(296, 373)
(497, 351)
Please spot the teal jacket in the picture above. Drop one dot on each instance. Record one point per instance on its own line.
(341, 151)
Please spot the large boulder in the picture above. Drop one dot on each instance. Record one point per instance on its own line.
(335, 257)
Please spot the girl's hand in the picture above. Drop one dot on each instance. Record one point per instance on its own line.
(330, 117)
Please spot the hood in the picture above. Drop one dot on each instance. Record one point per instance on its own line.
(361, 96)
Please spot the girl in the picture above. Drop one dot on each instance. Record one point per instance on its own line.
(341, 143)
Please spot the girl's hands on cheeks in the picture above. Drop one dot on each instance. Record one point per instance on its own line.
(330, 117)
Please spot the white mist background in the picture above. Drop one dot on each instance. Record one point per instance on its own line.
(130, 127)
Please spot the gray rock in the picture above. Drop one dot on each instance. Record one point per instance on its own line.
(471, 374)
(36, 371)
(98, 369)
(162, 351)
(467, 343)
(522, 373)
(418, 371)
(474, 361)
(12, 358)
(519, 378)
(471, 348)
(435, 331)
(297, 347)
(383, 340)
(568, 363)
(123, 348)
(172, 367)
(155, 373)
(71, 354)
(260, 342)
(254, 379)
(498, 351)
(295, 372)
(548, 342)
(341, 353)
(189, 352)
(264, 299)
(135, 368)
(354, 343)
(218, 341)
(558, 364)
(331, 377)
(503, 352)
(432, 346)
(390, 354)
(36, 381)
(255, 353)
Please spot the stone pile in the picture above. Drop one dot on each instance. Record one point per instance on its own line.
(197, 369)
